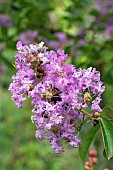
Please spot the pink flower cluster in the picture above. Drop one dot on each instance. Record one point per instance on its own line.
(58, 90)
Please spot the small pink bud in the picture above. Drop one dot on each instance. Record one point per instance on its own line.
(87, 165)
(94, 160)
(92, 153)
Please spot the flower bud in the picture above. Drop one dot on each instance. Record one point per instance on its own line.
(87, 165)
(94, 160)
(92, 153)
(96, 115)
(31, 86)
(87, 97)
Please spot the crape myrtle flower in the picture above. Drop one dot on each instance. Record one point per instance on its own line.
(25, 78)
(105, 19)
(28, 36)
(109, 32)
(58, 91)
(5, 21)
(3, 68)
(104, 7)
(21, 84)
(60, 41)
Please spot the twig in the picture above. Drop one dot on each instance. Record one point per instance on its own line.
(82, 121)
(84, 112)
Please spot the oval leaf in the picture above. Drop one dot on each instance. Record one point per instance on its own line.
(86, 142)
(107, 113)
(107, 135)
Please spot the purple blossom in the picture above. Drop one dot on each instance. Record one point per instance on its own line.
(28, 37)
(109, 32)
(60, 41)
(21, 85)
(104, 7)
(61, 36)
(5, 21)
(3, 68)
(57, 90)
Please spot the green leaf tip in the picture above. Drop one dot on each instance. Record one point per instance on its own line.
(107, 113)
(86, 142)
(107, 135)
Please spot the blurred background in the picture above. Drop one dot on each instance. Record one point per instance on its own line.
(84, 29)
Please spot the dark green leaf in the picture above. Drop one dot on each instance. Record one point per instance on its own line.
(104, 154)
(95, 12)
(107, 113)
(86, 141)
(107, 135)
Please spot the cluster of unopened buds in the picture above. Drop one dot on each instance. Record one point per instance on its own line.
(92, 160)
(59, 93)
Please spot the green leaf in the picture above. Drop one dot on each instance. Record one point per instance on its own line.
(107, 135)
(86, 142)
(104, 154)
(107, 113)
(95, 12)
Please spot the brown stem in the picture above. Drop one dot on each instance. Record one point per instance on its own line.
(91, 163)
(91, 168)
(82, 121)
(84, 112)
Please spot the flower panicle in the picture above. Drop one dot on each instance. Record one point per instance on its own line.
(56, 89)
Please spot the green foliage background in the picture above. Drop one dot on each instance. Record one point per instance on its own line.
(19, 149)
